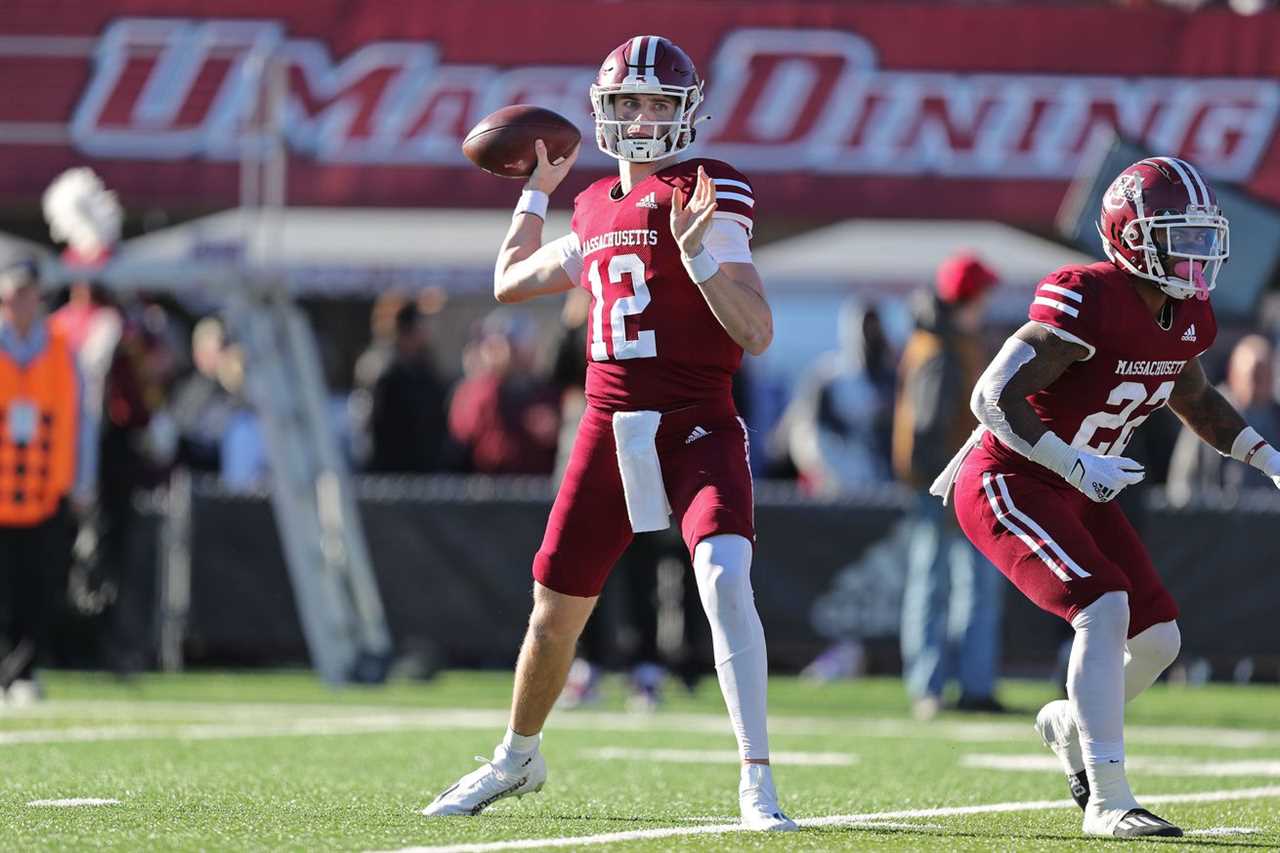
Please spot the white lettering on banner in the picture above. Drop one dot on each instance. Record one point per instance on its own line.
(155, 121)
(783, 100)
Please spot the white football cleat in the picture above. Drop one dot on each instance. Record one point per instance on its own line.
(502, 777)
(1056, 724)
(758, 801)
(1127, 823)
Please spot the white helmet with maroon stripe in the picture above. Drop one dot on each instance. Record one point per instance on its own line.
(649, 65)
(1161, 221)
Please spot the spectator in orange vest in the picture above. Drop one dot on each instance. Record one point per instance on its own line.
(44, 441)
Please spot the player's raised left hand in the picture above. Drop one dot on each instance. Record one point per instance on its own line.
(690, 221)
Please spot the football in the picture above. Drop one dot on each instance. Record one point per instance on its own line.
(502, 143)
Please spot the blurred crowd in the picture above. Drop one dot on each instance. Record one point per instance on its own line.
(168, 388)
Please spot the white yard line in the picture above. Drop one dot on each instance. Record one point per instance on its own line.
(270, 720)
(718, 756)
(1225, 830)
(1156, 765)
(865, 821)
(264, 728)
(149, 709)
(75, 801)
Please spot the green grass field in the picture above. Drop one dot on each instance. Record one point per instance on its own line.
(255, 762)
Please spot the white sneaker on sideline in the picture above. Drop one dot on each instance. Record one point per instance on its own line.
(758, 801)
(504, 776)
(1056, 725)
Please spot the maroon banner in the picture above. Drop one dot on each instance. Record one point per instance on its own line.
(833, 110)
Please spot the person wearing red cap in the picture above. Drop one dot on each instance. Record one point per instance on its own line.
(942, 639)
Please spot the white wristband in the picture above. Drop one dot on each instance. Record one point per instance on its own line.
(701, 266)
(533, 202)
(1252, 449)
(1054, 454)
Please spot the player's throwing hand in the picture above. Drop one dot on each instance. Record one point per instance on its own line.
(689, 223)
(546, 175)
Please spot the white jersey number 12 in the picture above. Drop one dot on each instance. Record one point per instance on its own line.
(644, 345)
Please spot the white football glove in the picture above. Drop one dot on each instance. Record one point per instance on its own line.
(1102, 477)
(1099, 478)
(1251, 449)
(1270, 465)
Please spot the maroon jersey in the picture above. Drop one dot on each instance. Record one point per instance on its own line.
(1097, 403)
(652, 342)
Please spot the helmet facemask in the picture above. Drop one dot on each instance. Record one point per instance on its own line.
(663, 139)
(1182, 252)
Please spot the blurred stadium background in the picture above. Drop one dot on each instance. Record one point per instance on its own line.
(299, 224)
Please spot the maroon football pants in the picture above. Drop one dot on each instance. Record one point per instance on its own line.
(1062, 550)
(703, 450)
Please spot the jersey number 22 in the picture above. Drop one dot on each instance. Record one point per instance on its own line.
(1128, 395)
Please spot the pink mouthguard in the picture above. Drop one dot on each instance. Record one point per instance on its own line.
(1188, 271)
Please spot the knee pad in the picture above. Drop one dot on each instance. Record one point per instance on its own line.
(1106, 619)
(722, 569)
(1158, 645)
(1109, 612)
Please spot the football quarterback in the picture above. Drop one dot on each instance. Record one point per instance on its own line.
(664, 250)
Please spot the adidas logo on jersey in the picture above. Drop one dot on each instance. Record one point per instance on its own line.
(650, 201)
(698, 432)
(1190, 333)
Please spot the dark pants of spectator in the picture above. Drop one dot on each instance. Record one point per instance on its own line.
(30, 563)
(128, 546)
(625, 628)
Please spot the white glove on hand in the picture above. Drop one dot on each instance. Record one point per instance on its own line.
(1100, 478)
(1251, 449)
(1269, 464)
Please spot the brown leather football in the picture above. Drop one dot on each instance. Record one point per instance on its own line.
(502, 143)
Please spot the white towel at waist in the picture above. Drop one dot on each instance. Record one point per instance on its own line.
(646, 495)
(941, 486)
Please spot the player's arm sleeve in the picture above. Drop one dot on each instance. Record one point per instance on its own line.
(735, 200)
(1065, 305)
(1032, 359)
(569, 251)
(728, 242)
